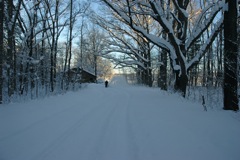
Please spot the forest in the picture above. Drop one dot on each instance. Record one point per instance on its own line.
(186, 46)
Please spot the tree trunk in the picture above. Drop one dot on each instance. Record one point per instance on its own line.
(181, 82)
(1, 49)
(163, 71)
(65, 72)
(70, 41)
(56, 41)
(230, 57)
(42, 69)
(10, 36)
(149, 66)
(162, 81)
(52, 59)
(12, 12)
(219, 75)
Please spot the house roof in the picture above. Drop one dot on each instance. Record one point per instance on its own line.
(74, 69)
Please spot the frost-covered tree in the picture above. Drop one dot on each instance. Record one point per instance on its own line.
(92, 42)
(126, 47)
(95, 45)
(29, 47)
(179, 39)
(105, 69)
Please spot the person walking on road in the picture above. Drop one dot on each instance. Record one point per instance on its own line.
(106, 83)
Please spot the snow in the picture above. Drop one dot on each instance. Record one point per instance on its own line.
(121, 122)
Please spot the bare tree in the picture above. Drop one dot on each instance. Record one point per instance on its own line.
(135, 50)
(44, 16)
(12, 15)
(70, 41)
(96, 45)
(178, 41)
(76, 10)
(29, 46)
(105, 70)
(54, 20)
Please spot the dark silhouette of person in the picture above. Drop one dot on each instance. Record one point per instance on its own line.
(106, 83)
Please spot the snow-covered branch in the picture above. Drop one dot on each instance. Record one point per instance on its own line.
(126, 62)
(154, 39)
(181, 9)
(204, 21)
(206, 45)
(124, 40)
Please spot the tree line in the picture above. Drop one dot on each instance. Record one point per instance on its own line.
(192, 43)
(41, 40)
(175, 43)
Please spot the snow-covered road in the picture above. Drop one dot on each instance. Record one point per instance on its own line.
(116, 123)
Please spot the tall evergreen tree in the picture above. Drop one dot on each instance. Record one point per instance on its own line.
(230, 56)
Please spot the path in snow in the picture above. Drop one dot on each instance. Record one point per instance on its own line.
(115, 123)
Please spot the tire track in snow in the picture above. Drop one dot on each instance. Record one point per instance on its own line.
(116, 132)
(42, 129)
(44, 119)
(68, 132)
(132, 148)
(83, 124)
(36, 123)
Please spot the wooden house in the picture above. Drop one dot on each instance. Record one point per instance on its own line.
(81, 76)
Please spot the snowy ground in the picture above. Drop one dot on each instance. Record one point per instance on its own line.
(117, 123)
